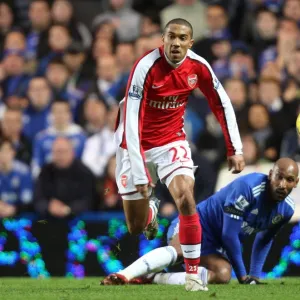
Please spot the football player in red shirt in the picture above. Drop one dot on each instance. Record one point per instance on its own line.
(152, 141)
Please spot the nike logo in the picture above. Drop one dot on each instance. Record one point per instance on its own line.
(156, 86)
(189, 251)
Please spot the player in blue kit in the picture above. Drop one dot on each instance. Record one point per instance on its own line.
(254, 203)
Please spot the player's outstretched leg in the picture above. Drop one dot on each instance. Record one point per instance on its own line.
(152, 262)
(151, 228)
(177, 278)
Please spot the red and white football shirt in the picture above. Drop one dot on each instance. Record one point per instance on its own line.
(155, 101)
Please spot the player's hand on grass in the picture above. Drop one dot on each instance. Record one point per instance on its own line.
(236, 162)
(251, 280)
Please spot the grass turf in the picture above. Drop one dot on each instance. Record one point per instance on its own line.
(89, 289)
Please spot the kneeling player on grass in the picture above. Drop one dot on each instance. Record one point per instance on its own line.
(252, 203)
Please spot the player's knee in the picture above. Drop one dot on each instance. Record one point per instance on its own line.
(223, 275)
(185, 203)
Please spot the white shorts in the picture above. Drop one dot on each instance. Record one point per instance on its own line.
(163, 164)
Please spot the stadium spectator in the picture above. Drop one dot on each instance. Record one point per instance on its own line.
(37, 114)
(76, 60)
(59, 76)
(259, 121)
(262, 31)
(14, 80)
(106, 30)
(15, 41)
(241, 63)
(94, 115)
(6, 22)
(141, 46)
(269, 94)
(237, 92)
(37, 31)
(58, 41)
(16, 102)
(61, 126)
(191, 10)
(287, 37)
(98, 149)
(125, 19)
(65, 187)
(125, 58)
(217, 28)
(221, 50)
(15, 182)
(293, 72)
(251, 150)
(111, 199)
(63, 14)
(291, 10)
(150, 23)
(11, 129)
(107, 76)
(211, 143)
(290, 145)
(290, 92)
(111, 117)
(102, 48)
(217, 21)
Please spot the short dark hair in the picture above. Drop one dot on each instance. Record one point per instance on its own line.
(61, 101)
(36, 1)
(180, 21)
(57, 61)
(4, 140)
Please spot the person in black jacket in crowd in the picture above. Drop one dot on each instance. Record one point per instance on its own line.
(65, 187)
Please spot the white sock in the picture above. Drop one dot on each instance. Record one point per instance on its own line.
(152, 262)
(203, 275)
(170, 278)
(179, 278)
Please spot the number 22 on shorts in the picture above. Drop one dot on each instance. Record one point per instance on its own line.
(179, 154)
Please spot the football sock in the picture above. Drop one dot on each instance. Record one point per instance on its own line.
(179, 278)
(190, 241)
(169, 278)
(153, 261)
(203, 275)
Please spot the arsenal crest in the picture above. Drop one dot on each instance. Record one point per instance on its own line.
(124, 180)
(192, 80)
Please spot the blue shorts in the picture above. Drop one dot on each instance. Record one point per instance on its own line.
(209, 244)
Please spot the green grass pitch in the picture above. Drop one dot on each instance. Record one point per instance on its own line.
(89, 289)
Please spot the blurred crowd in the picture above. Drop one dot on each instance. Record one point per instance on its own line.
(62, 79)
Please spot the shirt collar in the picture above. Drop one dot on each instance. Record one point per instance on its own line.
(174, 65)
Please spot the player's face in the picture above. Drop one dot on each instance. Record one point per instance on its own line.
(282, 181)
(177, 40)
